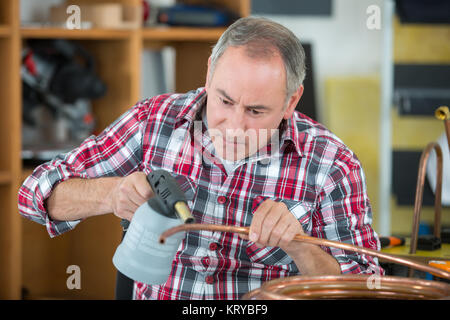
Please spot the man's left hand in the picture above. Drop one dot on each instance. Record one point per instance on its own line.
(274, 225)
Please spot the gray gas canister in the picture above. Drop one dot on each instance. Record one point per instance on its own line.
(141, 256)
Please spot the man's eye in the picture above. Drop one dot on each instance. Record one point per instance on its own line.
(225, 102)
(255, 112)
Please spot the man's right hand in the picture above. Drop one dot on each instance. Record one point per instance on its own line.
(129, 194)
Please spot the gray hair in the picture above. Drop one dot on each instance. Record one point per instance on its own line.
(261, 36)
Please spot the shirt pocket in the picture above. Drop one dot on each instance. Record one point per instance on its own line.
(300, 209)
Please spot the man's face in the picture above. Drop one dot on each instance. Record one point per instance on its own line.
(246, 101)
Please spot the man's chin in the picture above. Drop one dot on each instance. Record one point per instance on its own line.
(232, 157)
(232, 152)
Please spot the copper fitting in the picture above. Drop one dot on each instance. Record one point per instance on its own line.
(312, 240)
(443, 113)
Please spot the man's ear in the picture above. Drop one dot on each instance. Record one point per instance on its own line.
(292, 103)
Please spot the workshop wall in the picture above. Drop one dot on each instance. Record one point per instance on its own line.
(342, 44)
(352, 111)
(421, 44)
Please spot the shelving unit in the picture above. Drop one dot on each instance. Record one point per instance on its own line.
(92, 34)
(10, 162)
(4, 31)
(33, 265)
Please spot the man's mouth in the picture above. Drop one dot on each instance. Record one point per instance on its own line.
(235, 141)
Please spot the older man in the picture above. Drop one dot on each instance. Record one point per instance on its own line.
(253, 159)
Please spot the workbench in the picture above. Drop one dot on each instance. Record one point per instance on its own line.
(421, 255)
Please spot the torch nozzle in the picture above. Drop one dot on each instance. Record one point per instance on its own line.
(183, 212)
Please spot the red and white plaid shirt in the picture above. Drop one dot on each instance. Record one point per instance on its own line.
(318, 178)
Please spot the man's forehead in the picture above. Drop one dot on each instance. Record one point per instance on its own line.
(254, 50)
(261, 50)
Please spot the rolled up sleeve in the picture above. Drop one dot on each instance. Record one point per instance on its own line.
(117, 151)
(344, 214)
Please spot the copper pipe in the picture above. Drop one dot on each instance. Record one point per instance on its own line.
(312, 240)
(419, 194)
(443, 113)
(349, 287)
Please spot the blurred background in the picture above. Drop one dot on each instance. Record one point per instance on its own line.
(376, 72)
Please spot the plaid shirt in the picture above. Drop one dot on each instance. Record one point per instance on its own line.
(318, 178)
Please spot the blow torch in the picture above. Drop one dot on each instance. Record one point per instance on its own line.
(140, 256)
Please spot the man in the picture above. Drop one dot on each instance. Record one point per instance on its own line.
(254, 161)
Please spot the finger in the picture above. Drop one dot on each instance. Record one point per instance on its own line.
(127, 197)
(142, 186)
(125, 214)
(136, 197)
(243, 236)
(126, 194)
(269, 224)
(257, 220)
(260, 246)
(289, 232)
(278, 232)
(128, 215)
(125, 205)
(137, 189)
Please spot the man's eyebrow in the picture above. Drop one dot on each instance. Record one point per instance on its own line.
(223, 93)
(260, 107)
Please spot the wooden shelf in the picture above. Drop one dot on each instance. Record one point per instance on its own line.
(5, 31)
(5, 177)
(148, 34)
(87, 34)
(181, 34)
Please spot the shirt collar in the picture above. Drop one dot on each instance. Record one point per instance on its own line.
(290, 134)
(192, 108)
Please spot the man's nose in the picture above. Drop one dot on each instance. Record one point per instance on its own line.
(236, 122)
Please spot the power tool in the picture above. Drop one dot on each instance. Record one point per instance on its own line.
(140, 256)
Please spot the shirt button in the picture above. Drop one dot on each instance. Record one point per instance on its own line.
(258, 198)
(221, 199)
(209, 279)
(213, 246)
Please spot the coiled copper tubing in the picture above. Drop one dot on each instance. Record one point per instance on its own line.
(349, 287)
(342, 286)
